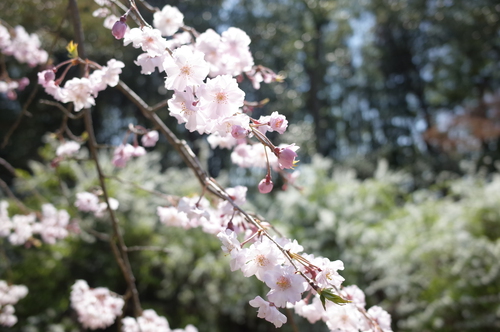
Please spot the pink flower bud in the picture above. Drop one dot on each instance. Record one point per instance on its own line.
(49, 75)
(23, 83)
(119, 28)
(286, 156)
(139, 151)
(265, 185)
(150, 138)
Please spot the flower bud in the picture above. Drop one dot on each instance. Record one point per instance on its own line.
(265, 185)
(119, 28)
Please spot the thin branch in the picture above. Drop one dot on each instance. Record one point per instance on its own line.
(150, 248)
(119, 250)
(154, 192)
(62, 109)
(206, 181)
(9, 193)
(8, 166)
(146, 5)
(20, 117)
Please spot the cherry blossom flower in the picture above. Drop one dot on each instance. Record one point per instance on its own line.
(286, 286)
(22, 228)
(312, 312)
(171, 216)
(122, 154)
(286, 156)
(381, 317)
(223, 142)
(262, 257)
(344, 318)
(221, 97)
(184, 107)
(268, 311)
(168, 20)
(150, 138)
(208, 43)
(5, 222)
(67, 149)
(10, 295)
(186, 67)
(278, 122)
(79, 91)
(328, 276)
(96, 308)
(149, 321)
(149, 63)
(355, 295)
(87, 202)
(148, 39)
(53, 225)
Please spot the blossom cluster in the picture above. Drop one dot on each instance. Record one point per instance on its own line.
(81, 91)
(203, 71)
(97, 308)
(25, 48)
(19, 229)
(287, 283)
(10, 295)
(89, 202)
(192, 212)
(149, 321)
(124, 152)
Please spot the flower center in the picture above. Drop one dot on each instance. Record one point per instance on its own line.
(186, 70)
(283, 283)
(221, 98)
(261, 260)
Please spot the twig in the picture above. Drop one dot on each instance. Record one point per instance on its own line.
(194, 164)
(150, 248)
(9, 193)
(8, 166)
(62, 109)
(154, 192)
(119, 250)
(20, 117)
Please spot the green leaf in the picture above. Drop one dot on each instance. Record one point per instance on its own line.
(327, 294)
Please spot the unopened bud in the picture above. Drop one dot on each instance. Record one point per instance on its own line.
(119, 28)
(265, 185)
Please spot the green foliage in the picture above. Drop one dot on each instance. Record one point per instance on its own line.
(189, 283)
(429, 256)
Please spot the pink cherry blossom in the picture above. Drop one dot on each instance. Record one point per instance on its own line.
(122, 154)
(286, 156)
(149, 321)
(268, 311)
(221, 97)
(150, 138)
(168, 20)
(186, 67)
(96, 308)
(286, 286)
(87, 202)
(278, 122)
(68, 149)
(149, 63)
(148, 39)
(184, 107)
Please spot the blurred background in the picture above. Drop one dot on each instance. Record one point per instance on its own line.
(395, 105)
